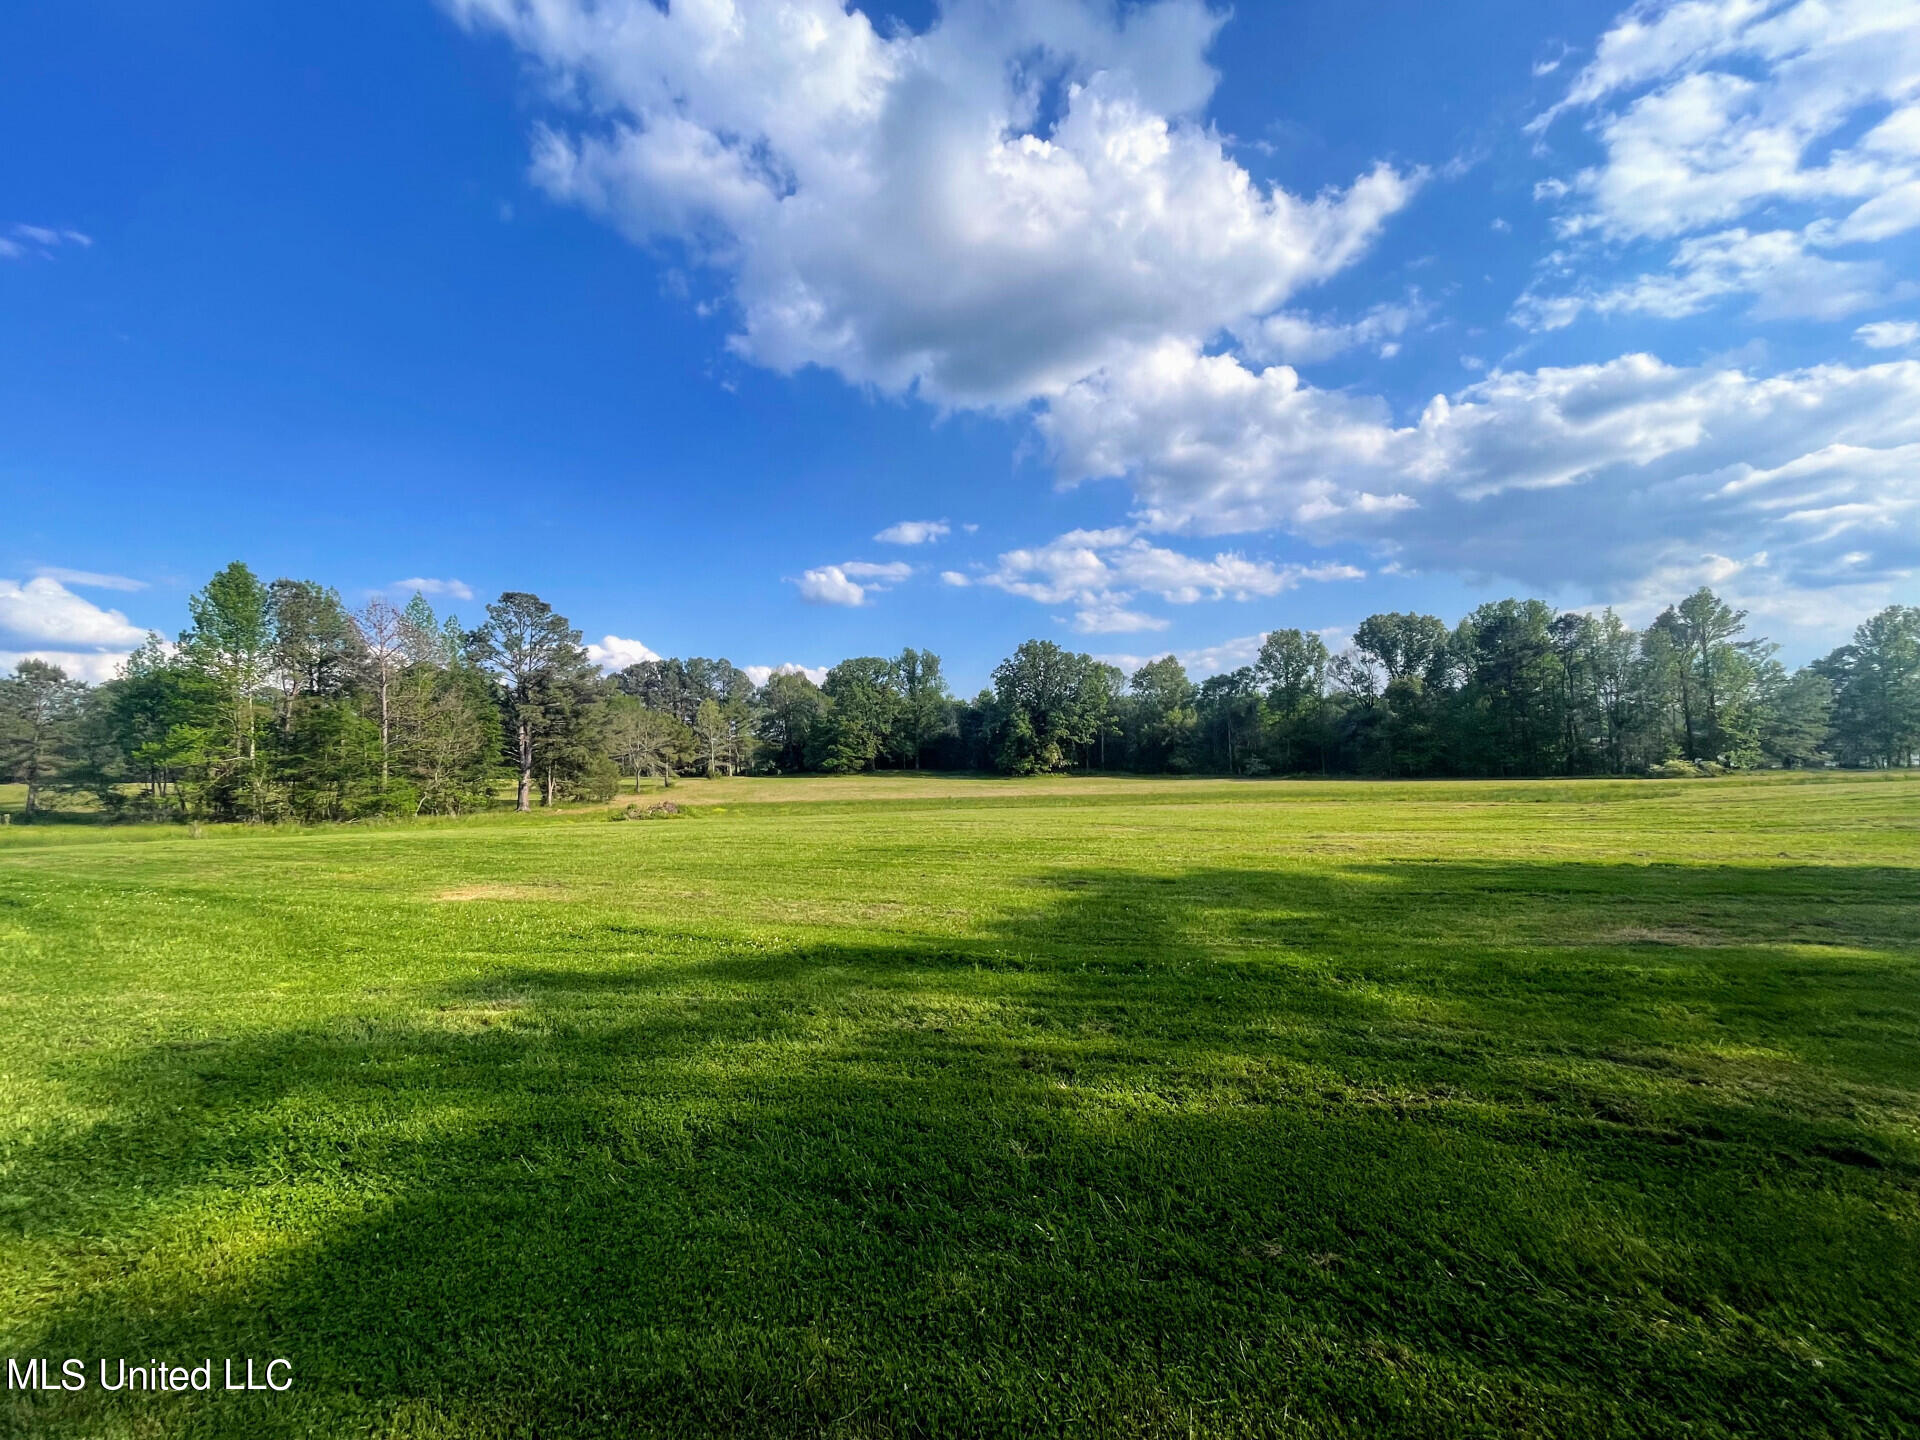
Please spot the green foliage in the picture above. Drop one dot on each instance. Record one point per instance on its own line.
(1876, 684)
(722, 735)
(331, 767)
(1050, 704)
(595, 782)
(313, 641)
(40, 712)
(548, 690)
(864, 706)
(793, 713)
(230, 645)
(279, 705)
(645, 741)
(1160, 717)
(676, 687)
(248, 718)
(1796, 716)
(1405, 646)
(925, 712)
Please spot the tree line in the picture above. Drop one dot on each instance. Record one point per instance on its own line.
(278, 702)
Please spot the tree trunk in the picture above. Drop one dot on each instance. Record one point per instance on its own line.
(523, 801)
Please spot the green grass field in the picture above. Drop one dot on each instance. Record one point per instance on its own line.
(932, 1106)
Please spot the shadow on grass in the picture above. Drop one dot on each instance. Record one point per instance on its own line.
(1424, 1150)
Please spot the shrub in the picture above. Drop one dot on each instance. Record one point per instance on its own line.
(596, 784)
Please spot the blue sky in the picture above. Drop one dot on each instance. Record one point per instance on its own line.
(1183, 323)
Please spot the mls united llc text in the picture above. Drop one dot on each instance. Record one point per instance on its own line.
(150, 1375)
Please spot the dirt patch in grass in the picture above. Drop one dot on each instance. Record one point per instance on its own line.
(482, 1014)
(498, 892)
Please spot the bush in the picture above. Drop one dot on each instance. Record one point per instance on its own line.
(595, 785)
(397, 801)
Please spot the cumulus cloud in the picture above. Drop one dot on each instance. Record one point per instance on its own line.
(1888, 334)
(1101, 571)
(851, 582)
(1583, 475)
(829, 585)
(1023, 207)
(451, 589)
(914, 532)
(41, 619)
(985, 212)
(614, 653)
(45, 611)
(833, 585)
(760, 674)
(1216, 446)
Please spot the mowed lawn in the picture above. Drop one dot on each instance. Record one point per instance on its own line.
(935, 1106)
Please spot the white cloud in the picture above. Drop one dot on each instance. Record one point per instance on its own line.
(1107, 619)
(914, 532)
(1584, 475)
(1744, 96)
(1214, 446)
(615, 653)
(44, 611)
(1302, 340)
(1101, 571)
(891, 571)
(1888, 334)
(89, 579)
(895, 208)
(829, 585)
(1712, 110)
(1022, 206)
(1786, 279)
(954, 578)
(17, 242)
(760, 674)
(451, 589)
(1203, 660)
(851, 582)
(92, 666)
(46, 621)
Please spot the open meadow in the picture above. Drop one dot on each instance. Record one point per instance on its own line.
(914, 1105)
